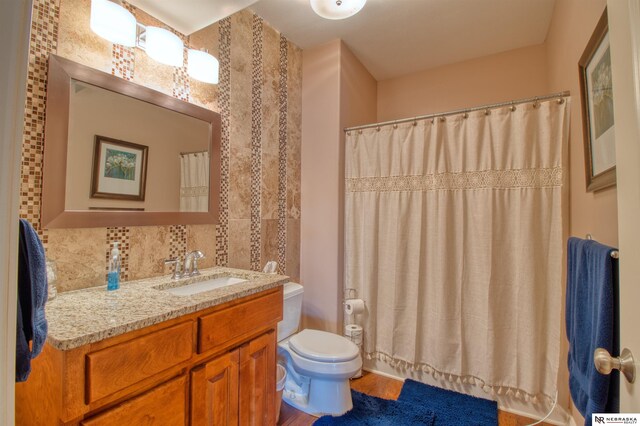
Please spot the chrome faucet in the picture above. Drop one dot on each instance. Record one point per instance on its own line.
(191, 263)
(190, 267)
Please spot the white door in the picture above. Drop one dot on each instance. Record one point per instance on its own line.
(15, 19)
(624, 35)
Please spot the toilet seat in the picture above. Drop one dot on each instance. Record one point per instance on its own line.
(319, 369)
(321, 346)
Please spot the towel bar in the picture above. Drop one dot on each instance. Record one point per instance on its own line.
(614, 254)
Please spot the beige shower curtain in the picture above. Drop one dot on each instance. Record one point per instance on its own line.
(194, 182)
(454, 239)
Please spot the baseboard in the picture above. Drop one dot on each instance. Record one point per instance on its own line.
(384, 374)
(559, 417)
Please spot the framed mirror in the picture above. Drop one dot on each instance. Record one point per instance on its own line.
(120, 154)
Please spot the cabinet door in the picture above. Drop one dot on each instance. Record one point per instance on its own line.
(214, 391)
(258, 381)
(162, 405)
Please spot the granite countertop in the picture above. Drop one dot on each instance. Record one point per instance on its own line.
(80, 317)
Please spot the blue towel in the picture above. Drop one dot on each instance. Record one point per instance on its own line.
(32, 296)
(591, 322)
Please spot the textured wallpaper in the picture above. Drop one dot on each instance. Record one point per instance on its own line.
(259, 100)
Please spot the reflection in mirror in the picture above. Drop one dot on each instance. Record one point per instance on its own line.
(121, 154)
(112, 137)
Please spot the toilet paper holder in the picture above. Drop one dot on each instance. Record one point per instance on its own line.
(349, 293)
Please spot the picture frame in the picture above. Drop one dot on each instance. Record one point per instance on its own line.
(596, 99)
(119, 169)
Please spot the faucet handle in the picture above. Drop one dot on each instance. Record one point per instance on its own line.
(195, 270)
(176, 267)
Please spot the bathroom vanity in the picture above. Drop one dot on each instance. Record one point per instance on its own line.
(143, 355)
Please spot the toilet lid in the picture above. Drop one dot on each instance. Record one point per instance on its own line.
(322, 346)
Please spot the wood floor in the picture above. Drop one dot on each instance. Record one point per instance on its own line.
(382, 387)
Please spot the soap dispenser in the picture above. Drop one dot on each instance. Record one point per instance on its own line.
(113, 274)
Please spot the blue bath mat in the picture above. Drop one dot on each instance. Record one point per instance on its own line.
(371, 411)
(450, 408)
(418, 404)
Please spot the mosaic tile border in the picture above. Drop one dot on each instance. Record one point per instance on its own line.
(181, 90)
(283, 108)
(122, 57)
(222, 230)
(177, 241)
(122, 62)
(120, 235)
(43, 41)
(257, 79)
(181, 84)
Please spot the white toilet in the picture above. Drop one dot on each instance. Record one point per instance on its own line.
(319, 364)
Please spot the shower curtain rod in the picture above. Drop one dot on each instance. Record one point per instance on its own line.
(461, 111)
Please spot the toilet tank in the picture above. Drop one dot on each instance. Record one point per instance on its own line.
(291, 310)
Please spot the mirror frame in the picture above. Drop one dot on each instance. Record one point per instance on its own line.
(54, 214)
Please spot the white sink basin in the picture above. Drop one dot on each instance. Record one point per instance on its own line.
(202, 286)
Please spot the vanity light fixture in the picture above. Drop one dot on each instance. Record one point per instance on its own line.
(164, 46)
(111, 21)
(202, 66)
(337, 9)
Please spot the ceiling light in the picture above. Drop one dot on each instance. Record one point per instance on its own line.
(113, 22)
(202, 66)
(164, 46)
(337, 9)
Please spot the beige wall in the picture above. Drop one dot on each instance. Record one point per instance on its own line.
(338, 91)
(515, 74)
(62, 27)
(94, 111)
(572, 25)
(319, 234)
(358, 91)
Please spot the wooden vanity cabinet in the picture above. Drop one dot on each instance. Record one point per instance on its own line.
(205, 368)
(214, 388)
(166, 404)
(237, 387)
(257, 381)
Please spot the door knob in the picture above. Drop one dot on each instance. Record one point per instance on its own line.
(604, 363)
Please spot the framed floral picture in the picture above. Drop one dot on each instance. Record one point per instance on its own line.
(596, 96)
(119, 169)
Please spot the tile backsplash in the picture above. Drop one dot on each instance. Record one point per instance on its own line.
(259, 100)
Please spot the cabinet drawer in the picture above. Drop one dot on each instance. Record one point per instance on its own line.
(116, 367)
(163, 405)
(222, 326)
